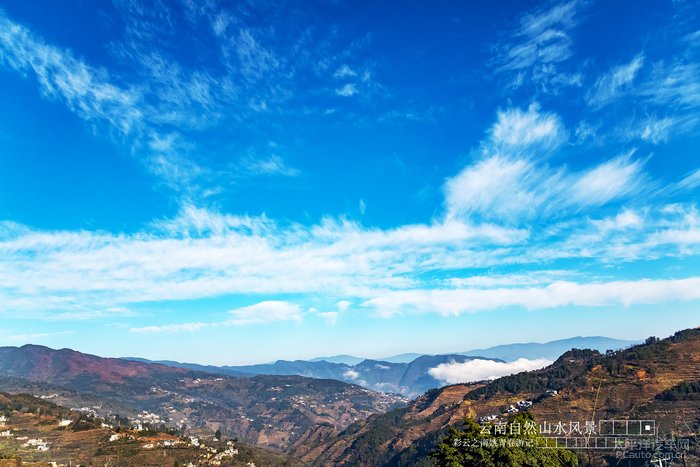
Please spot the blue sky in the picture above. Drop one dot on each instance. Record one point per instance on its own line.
(241, 182)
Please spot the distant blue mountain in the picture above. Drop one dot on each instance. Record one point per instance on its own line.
(406, 374)
(408, 379)
(550, 350)
(402, 358)
(344, 359)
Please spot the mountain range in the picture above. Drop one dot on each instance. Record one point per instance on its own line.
(657, 381)
(270, 411)
(328, 422)
(551, 350)
(407, 374)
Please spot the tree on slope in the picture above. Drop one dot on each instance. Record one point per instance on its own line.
(512, 445)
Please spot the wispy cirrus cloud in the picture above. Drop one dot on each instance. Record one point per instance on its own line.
(260, 313)
(453, 302)
(159, 105)
(203, 254)
(614, 82)
(535, 48)
(30, 337)
(691, 181)
(657, 130)
(272, 165)
(673, 84)
(542, 37)
(486, 225)
(531, 128)
(93, 96)
(511, 180)
(84, 89)
(613, 179)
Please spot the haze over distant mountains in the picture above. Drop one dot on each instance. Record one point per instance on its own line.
(411, 374)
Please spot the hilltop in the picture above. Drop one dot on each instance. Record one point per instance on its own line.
(658, 380)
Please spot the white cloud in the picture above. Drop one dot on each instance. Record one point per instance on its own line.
(155, 96)
(586, 131)
(85, 90)
(507, 182)
(527, 129)
(513, 189)
(351, 374)
(684, 231)
(347, 90)
(613, 83)
(273, 165)
(202, 254)
(534, 52)
(260, 313)
(675, 85)
(613, 179)
(511, 182)
(266, 312)
(255, 59)
(625, 220)
(454, 302)
(220, 23)
(126, 111)
(691, 181)
(344, 71)
(542, 38)
(499, 188)
(170, 328)
(479, 370)
(658, 130)
(510, 280)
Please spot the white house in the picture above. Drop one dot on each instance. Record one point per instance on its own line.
(6, 433)
(65, 422)
(39, 444)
